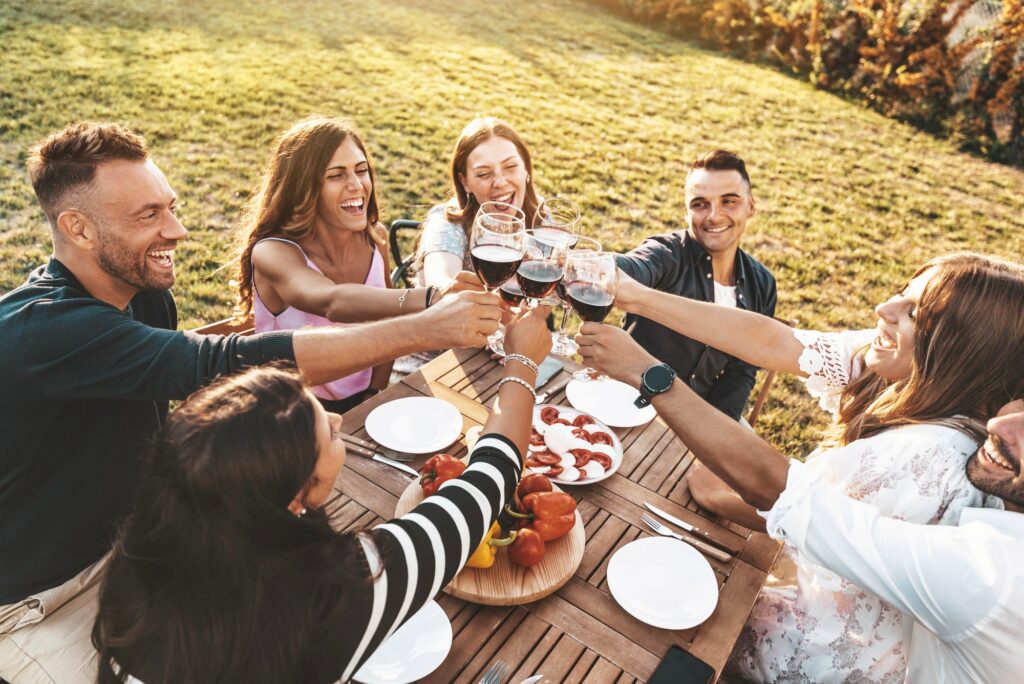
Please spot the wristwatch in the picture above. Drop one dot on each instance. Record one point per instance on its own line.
(654, 380)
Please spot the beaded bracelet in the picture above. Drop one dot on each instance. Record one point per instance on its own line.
(518, 381)
(525, 360)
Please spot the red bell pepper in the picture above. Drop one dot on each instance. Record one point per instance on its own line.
(528, 548)
(550, 514)
(537, 482)
(438, 470)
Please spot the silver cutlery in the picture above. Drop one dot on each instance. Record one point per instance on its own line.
(692, 529)
(696, 543)
(495, 674)
(555, 389)
(395, 464)
(376, 448)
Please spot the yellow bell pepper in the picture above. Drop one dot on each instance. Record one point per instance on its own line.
(485, 554)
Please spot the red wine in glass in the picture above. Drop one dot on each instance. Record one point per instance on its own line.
(511, 292)
(495, 263)
(538, 278)
(591, 303)
(560, 291)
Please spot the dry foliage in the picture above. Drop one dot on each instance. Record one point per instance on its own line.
(896, 55)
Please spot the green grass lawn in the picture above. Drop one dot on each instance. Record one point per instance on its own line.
(849, 202)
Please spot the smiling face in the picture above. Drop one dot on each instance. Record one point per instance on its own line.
(891, 354)
(718, 205)
(347, 187)
(133, 208)
(330, 457)
(495, 172)
(995, 468)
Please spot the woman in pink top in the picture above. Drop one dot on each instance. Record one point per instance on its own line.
(314, 253)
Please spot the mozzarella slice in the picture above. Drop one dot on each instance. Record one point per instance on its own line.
(567, 461)
(537, 447)
(559, 438)
(593, 469)
(539, 471)
(539, 425)
(603, 448)
(570, 474)
(593, 427)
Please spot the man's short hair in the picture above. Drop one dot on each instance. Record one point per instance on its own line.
(66, 161)
(721, 160)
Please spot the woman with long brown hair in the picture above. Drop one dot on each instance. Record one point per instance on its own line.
(910, 398)
(313, 252)
(229, 570)
(490, 163)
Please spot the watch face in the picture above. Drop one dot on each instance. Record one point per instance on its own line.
(658, 378)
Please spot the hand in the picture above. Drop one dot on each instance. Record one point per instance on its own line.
(529, 335)
(464, 281)
(612, 351)
(628, 293)
(464, 319)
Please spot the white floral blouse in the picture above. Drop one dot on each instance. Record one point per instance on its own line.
(819, 627)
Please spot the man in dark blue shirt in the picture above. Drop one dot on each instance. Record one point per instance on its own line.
(705, 263)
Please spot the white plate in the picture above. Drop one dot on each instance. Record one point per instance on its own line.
(610, 401)
(415, 649)
(663, 582)
(414, 425)
(569, 414)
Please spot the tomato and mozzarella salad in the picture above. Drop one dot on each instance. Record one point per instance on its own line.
(568, 447)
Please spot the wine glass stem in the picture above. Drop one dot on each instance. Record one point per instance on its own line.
(565, 319)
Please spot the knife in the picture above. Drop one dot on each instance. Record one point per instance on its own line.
(692, 529)
(394, 464)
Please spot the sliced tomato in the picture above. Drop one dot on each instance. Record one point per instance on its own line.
(555, 471)
(547, 458)
(580, 433)
(563, 421)
(549, 414)
(582, 419)
(601, 438)
(583, 456)
(536, 439)
(604, 459)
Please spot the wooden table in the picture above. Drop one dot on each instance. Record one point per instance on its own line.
(579, 633)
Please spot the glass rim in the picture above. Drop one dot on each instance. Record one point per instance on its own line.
(515, 212)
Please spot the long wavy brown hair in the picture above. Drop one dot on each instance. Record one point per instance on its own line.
(968, 354)
(285, 203)
(464, 207)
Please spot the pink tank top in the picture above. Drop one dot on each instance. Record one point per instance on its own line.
(294, 319)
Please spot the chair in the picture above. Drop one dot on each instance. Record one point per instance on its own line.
(762, 397)
(400, 273)
(246, 326)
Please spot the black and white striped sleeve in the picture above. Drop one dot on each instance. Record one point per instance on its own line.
(426, 548)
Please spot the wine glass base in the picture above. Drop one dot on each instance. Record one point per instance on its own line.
(563, 345)
(496, 342)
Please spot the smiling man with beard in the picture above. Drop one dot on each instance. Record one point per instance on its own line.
(705, 263)
(90, 358)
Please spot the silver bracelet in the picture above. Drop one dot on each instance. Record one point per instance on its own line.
(525, 360)
(518, 381)
(401, 301)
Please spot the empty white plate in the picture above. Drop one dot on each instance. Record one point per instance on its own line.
(414, 425)
(610, 401)
(415, 649)
(663, 582)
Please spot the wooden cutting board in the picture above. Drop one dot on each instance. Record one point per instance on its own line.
(507, 584)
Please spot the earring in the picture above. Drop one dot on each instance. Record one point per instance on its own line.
(301, 512)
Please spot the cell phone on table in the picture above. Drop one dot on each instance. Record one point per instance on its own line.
(680, 667)
(547, 370)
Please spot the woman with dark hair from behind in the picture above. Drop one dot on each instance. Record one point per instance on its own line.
(228, 569)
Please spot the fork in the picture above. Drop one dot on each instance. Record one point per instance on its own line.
(696, 543)
(494, 674)
(376, 448)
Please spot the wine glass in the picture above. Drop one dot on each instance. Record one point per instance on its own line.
(560, 342)
(543, 263)
(496, 250)
(589, 281)
(558, 215)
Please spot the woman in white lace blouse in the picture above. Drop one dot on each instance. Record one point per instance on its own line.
(490, 162)
(908, 398)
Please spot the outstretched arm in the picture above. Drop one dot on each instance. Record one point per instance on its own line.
(759, 340)
(743, 460)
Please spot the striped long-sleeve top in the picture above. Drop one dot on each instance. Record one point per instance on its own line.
(418, 554)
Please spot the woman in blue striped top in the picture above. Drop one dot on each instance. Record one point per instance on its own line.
(228, 569)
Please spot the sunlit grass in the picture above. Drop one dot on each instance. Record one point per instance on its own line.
(849, 202)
